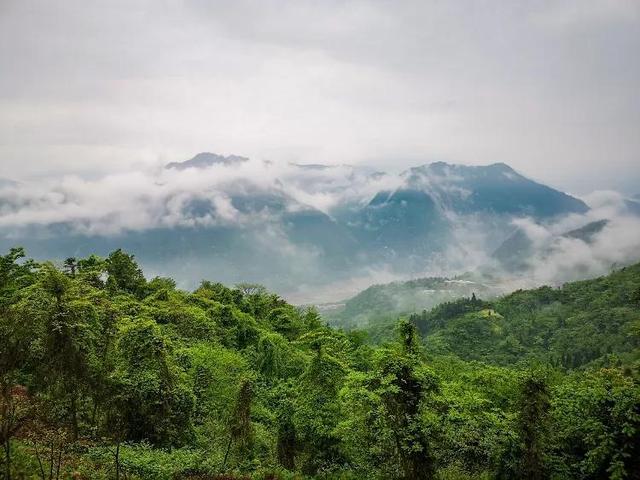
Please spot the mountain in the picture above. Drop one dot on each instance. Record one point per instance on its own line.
(283, 244)
(206, 159)
(293, 228)
(405, 222)
(588, 231)
(461, 189)
(417, 220)
(590, 322)
(493, 188)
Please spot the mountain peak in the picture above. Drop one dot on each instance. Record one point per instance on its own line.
(443, 168)
(439, 172)
(207, 159)
(501, 166)
(494, 188)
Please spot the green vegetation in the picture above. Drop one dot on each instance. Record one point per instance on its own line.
(380, 305)
(593, 322)
(107, 375)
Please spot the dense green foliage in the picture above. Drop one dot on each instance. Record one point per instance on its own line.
(382, 304)
(105, 374)
(593, 322)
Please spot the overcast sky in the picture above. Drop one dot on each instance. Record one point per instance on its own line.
(551, 88)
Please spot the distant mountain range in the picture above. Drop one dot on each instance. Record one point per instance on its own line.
(273, 234)
(416, 219)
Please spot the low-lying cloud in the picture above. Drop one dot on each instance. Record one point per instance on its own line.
(561, 251)
(560, 258)
(254, 197)
(156, 198)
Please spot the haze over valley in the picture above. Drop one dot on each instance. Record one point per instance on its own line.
(319, 233)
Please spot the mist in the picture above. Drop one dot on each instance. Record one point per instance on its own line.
(233, 222)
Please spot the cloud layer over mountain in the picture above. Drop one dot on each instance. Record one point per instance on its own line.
(558, 256)
(312, 230)
(167, 197)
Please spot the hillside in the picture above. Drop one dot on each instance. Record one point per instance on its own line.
(384, 303)
(576, 324)
(587, 322)
(106, 374)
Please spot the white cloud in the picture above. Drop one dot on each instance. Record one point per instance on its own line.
(558, 258)
(152, 197)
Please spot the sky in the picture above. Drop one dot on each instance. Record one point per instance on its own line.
(551, 88)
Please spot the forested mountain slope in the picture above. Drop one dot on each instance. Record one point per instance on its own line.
(383, 303)
(106, 374)
(581, 322)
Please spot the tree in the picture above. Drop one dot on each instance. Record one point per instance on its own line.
(175, 384)
(18, 339)
(311, 319)
(124, 274)
(155, 401)
(240, 430)
(286, 442)
(286, 321)
(385, 426)
(317, 412)
(15, 410)
(15, 274)
(71, 330)
(404, 384)
(408, 337)
(533, 425)
(596, 426)
(92, 270)
(70, 266)
(271, 351)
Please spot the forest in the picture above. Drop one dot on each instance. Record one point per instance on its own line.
(105, 374)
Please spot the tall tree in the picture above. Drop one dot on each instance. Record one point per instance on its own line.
(71, 330)
(317, 412)
(155, 399)
(533, 425)
(17, 340)
(404, 386)
(240, 429)
(124, 273)
(384, 431)
(70, 266)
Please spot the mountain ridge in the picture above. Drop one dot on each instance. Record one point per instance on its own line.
(207, 159)
(275, 229)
